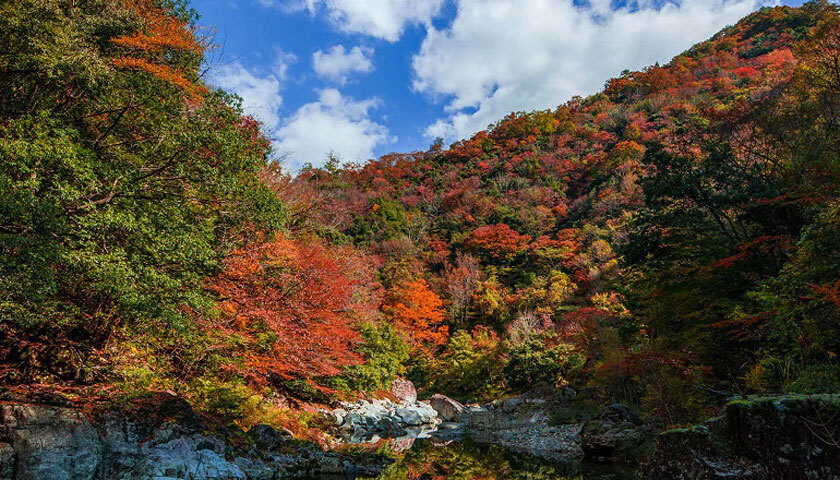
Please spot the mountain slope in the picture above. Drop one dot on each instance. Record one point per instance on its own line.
(644, 224)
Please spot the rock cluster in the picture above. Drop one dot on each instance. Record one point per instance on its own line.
(778, 438)
(61, 443)
(362, 420)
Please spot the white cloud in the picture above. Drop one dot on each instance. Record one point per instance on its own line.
(385, 19)
(334, 124)
(338, 64)
(260, 92)
(504, 55)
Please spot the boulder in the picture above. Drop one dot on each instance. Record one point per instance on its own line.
(428, 415)
(404, 390)
(481, 418)
(447, 409)
(7, 460)
(759, 438)
(352, 421)
(616, 433)
(266, 438)
(408, 416)
(693, 453)
(337, 415)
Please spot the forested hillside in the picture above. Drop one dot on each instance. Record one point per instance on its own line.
(664, 243)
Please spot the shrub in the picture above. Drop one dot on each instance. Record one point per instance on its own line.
(538, 360)
(470, 366)
(770, 374)
(817, 379)
(385, 354)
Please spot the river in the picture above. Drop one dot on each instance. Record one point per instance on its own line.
(468, 460)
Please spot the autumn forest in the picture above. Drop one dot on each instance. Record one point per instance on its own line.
(665, 244)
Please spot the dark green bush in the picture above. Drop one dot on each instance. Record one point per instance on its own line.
(536, 360)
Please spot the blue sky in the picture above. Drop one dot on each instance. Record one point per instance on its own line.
(360, 78)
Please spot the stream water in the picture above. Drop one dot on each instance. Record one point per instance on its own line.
(468, 460)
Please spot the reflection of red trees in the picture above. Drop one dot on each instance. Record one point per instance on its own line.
(290, 304)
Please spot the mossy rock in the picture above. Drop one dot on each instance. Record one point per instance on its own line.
(787, 437)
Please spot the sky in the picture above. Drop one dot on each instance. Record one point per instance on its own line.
(361, 78)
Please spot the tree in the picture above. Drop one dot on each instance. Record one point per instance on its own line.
(499, 242)
(418, 313)
(119, 194)
(287, 308)
(165, 46)
(462, 280)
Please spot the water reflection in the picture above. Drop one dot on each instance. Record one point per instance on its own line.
(399, 441)
(430, 459)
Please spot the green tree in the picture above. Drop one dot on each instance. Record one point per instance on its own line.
(120, 189)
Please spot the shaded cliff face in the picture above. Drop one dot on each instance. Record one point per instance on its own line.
(169, 441)
(780, 438)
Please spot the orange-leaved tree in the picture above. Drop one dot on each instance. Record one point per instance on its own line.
(418, 313)
(288, 309)
(165, 46)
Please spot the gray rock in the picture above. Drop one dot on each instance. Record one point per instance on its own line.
(331, 465)
(352, 421)
(7, 460)
(764, 438)
(409, 416)
(254, 469)
(614, 433)
(363, 420)
(54, 443)
(427, 414)
(481, 418)
(338, 415)
(51, 442)
(511, 404)
(447, 409)
(267, 438)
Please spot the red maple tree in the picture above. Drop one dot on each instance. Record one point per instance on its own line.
(498, 241)
(289, 304)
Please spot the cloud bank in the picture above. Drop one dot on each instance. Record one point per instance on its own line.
(499, 56)
(384, 19)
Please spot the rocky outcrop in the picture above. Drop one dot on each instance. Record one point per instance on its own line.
(448, 410)
(404, 390)
(614, 434)
(770, 438)
(48, 443)
(166, 442)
